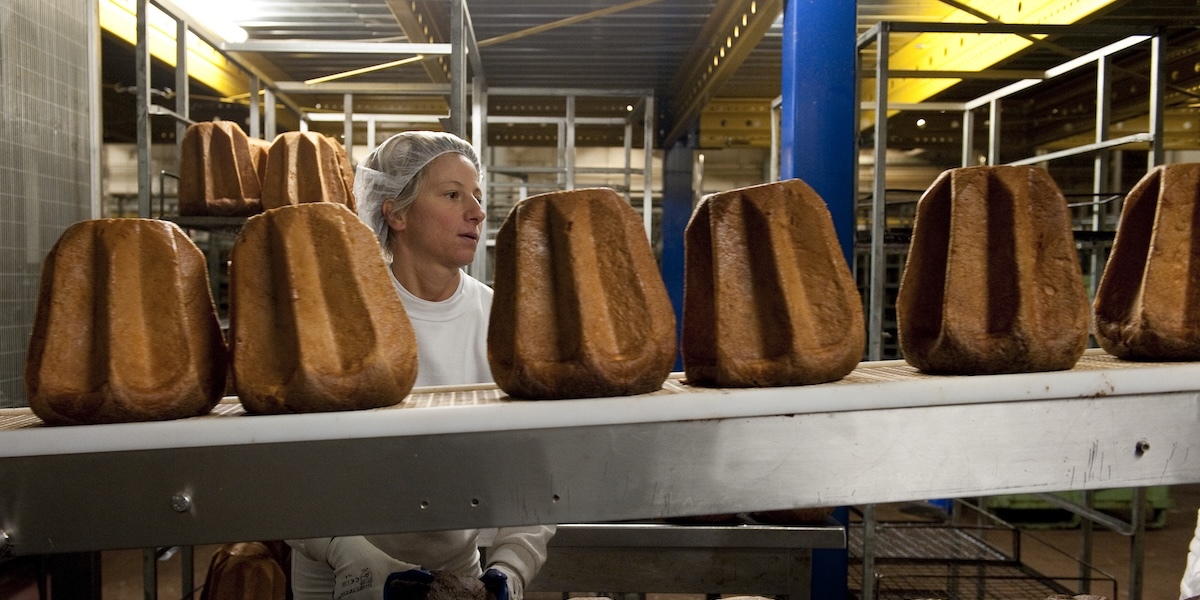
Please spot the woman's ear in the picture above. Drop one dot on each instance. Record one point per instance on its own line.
(395, 221)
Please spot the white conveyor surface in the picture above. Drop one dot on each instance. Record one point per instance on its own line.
(471, 457)
(479, 408)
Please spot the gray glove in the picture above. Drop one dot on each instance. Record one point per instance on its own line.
(360, 568)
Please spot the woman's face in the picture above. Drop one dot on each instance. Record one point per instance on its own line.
(444, 222)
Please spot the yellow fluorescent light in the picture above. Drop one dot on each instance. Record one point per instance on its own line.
(976, 52)
(370, 69)
(205, 64)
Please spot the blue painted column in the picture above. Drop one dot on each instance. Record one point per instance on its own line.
(676, 211)
(818, 119)
(818, 143)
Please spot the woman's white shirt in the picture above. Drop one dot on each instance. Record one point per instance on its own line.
(451, 334)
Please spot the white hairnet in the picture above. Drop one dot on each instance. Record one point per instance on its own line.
(387, 172)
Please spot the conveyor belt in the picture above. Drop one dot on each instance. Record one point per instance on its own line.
(483, 407)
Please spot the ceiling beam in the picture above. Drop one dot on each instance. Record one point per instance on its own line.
(516, 35)
(420, 26)
(734, 28)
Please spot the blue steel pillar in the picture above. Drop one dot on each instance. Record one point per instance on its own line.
(818, 118)
(676, 210)
(818, 134)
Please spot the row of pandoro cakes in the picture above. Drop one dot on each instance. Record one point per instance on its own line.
(225, 173)
(126, 328)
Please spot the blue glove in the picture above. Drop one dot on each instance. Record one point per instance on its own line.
(398, 585)
(496, 583)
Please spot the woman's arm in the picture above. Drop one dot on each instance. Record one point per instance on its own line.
(519, 552)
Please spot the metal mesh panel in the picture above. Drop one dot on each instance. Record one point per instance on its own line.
(45, 171)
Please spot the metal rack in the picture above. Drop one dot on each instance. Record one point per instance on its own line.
(974, 555)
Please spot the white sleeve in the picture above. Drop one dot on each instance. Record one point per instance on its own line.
(1190, 586)
(520, 551)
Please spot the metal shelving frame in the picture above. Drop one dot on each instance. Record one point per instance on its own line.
(484, 460)
(879, 36)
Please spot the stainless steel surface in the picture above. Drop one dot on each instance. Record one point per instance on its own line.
(878, 194)
(1137, 544)
(1089, 514)
(869, 535)
(1135, 138)
(1086, 529)
(885, 434)
(1156, 104)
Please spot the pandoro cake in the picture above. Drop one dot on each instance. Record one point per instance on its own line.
(580, 309)
(259, 150)
(125, 327)
(315, 323)
(768, 296)
(1148, 303)
(218, 171)
(992, 282)
(248, 570)
(306, 167)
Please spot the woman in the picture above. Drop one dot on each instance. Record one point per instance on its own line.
(419, 192)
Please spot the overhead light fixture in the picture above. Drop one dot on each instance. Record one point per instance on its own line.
(975, 52)
(213, 14)
(204, 63)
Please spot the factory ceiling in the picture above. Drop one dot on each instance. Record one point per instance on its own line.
(715, 63)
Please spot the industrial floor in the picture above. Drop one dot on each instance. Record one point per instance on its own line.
(1165, 554)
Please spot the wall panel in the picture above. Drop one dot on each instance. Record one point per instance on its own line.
(45, 169)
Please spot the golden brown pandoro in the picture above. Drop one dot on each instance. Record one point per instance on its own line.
(218, 174)
(248, 570)
(347, 171)
(1148, 302)
(580, 309)
(125, 327)
(768, 297)
(305, 167)
(992, 282)
(315, 323)
(259, 150)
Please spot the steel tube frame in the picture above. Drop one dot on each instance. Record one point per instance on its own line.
(142, 74)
